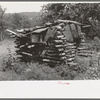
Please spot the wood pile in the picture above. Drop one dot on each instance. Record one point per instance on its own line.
(55, 53)
(31, 45)
(83, 50)
(70, 54)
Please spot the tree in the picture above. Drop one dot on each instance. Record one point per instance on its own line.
(20, 21)
(2, 22)
(85, 13)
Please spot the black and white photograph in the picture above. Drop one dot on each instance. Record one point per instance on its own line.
(49, 41)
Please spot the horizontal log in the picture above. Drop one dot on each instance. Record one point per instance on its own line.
(70, 22)
(19, 55)
(31, 46)
(54, 58)
(64, 38)
(50, 61)
(73, 52)
(62, 54)
(59, 46)
(59, 37)
(58, 33)
(25, 53)
(70, 44)
(58, 27)
(62, 58)
(56, 54)
(70, 59)
(85, 51)
(22, 46)
(72, 63)
(73, 55)
(39, 43)
(86, 55)
(58, 41)
(71, 47)
(60, 49)
(82, 48)
(70, 51)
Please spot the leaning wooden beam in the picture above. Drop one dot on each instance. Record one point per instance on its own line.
(11, 32)
(69, 22)
(86, 26)
(14, 33)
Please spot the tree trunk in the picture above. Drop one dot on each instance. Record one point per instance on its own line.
(1, 36)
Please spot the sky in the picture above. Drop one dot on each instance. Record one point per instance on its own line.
(15, 7)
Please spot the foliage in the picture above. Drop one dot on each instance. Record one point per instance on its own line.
(86, 13)
(2, 22)
(23, 20)
(19, 21)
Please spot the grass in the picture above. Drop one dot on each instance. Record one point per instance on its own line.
(88, 68)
